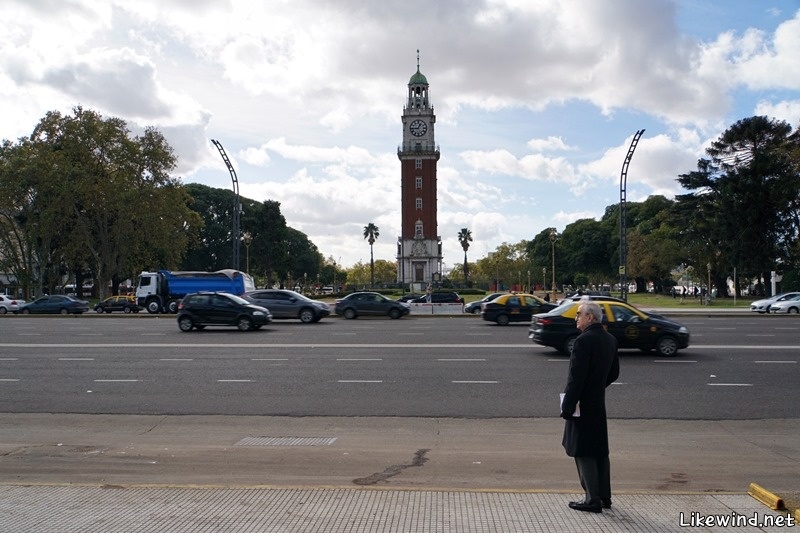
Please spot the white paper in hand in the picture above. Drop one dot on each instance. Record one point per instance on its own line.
(577, 412)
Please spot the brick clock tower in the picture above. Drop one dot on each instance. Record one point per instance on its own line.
(419, 248)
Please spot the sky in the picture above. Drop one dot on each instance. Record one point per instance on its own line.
(536, 101)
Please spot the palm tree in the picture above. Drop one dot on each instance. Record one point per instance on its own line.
(371, 232)
(464, 238)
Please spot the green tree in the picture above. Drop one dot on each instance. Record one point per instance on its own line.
(371, 232)
(464, 238)
(743, 209)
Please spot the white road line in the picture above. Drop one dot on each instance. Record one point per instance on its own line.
(115, 380)
(274, 359)
(76, 358)
(730, 384)
(454, 359)
(359, 359)
(760, 335)
(360, 381)
(414, 346)
(674, 361)
(411, 334)
(9, 359)
(778, 362)
(468, 382)
(7, 379)
(234, 380)
(558, 360)
(175, 359)
(90, 334)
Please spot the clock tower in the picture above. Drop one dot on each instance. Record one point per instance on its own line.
(419, 247)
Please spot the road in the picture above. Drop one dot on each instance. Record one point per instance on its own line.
(736, 368)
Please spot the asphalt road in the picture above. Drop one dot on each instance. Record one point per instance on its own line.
(736, 368)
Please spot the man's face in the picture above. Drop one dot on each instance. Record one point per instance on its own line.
(582, 318)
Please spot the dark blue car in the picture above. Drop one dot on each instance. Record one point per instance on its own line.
(55, 304)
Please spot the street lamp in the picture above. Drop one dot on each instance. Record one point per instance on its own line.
(708, 288)
(553, 237)
(247, 239)
(544, 279)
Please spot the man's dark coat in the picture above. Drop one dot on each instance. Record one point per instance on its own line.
(593, 366)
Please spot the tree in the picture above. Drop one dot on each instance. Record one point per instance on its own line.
(464, 238)
(743, 209)
(371, 232)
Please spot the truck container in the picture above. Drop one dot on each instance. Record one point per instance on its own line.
(162, 291)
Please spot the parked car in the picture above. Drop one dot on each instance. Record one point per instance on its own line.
(202, 309)
(514, 308)
(283, 304)
(126, 304)
(9, 304)
(440, 297)
(790, 305)
(55, 304)
(762, 306)
(370, 303)
(474, 308)
(632, 327)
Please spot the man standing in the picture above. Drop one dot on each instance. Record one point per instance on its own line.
(593, 365)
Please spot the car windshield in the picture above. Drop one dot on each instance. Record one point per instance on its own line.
(237, 299)
(561, 309)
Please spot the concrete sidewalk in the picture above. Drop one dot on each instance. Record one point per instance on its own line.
(219, 473)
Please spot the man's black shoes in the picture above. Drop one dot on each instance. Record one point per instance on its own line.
(589, 507)
(606, 503)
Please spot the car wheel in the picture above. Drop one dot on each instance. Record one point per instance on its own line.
(394, 314)
(126, 310)
(566, 348)
(792, 311)
(306, 316)
(64, 311)
(3, 310)
(26, 311)
(185, 324)
(502, 320)
(476, 311)
(349, 313)
(667, 346)
(244, 324)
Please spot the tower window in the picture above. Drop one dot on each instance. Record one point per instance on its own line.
(418, 228)
(418, 164)
(419, 203)
(419, 182)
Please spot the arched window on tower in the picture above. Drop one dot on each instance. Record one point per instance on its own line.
(418, 229)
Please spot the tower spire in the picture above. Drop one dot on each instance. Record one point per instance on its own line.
(417, 59)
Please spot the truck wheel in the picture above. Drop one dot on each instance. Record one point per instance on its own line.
(153, 307)
(185, 323)
(172, 306)
(306, 316)
(244, 324)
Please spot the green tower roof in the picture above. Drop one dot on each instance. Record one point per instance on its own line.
(418, 78)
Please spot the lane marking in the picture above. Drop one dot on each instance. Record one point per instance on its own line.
(468, 382)
(364, 345)
(234, 380)
(558, 360)
(360, 381)
(674, 361)
(760, 335)
(8, 379)
(777, 362)
(76, 358)
(9, 359)
(175, 359)
(455, 360)
(730, 384)
(359, 359)
(115, 380)
(275, 359)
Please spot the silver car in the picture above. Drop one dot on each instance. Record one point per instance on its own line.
(9, 304)
(790, 305)
(284, 304)
(762, 306)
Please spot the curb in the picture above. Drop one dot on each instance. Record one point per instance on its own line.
(771, 500)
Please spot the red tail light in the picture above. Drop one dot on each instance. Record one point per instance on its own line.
(544, 321)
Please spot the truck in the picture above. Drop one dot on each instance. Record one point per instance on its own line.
(162, 291)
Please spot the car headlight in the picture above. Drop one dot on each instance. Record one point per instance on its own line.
(259, 313)
(683, 330)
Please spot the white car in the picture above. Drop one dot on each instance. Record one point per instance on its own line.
(762, 306)
(792, 305)
(9, 304)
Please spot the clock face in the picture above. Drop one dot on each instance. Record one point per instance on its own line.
(418, 128)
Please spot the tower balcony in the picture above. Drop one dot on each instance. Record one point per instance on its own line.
(418, 148)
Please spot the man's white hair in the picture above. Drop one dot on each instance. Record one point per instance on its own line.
(592, 307)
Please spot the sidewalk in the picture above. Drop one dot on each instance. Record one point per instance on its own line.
(104, 473)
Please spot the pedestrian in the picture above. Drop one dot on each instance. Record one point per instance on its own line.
(593, 365)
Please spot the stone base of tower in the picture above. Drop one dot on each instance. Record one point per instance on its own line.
(419, 263)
